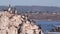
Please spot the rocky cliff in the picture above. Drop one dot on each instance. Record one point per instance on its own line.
(17, 24)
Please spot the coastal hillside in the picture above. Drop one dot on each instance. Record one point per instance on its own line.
(34, 8)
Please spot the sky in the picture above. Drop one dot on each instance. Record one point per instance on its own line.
(31, 2)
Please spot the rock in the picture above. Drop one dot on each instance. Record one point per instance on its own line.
(16, 24)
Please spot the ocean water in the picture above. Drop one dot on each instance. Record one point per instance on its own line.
(47, 25)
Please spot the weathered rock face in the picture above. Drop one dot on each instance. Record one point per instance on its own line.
(16, 24)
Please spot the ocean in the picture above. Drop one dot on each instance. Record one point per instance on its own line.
(47, 25)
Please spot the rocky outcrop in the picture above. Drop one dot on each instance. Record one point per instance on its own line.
(17, 24)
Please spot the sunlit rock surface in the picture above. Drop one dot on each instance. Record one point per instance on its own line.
(17, 24)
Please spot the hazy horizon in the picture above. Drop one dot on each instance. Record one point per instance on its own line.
(55, 3)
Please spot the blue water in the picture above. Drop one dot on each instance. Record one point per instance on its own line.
(47, 25)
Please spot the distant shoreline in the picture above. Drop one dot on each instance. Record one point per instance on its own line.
(44, 16)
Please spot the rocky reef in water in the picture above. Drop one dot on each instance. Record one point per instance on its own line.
(11, 23)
